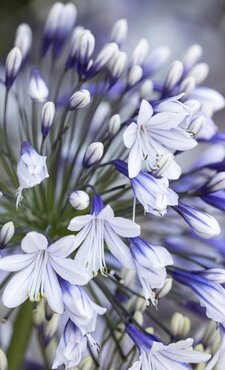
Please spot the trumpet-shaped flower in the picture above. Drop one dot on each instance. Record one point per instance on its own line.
(155, 355)
(37, 271)
(154, 135)
(31, 169)
(71, 347)
(81, 309)
(154, 194)
(99, 227)
(150, 262)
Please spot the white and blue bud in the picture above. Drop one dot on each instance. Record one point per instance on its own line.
(79, 100)
(174, 75)
(202, 223)
(200, 72)
(114, 124)
(192, 56)
(7, 232)
(119, 31)
(23, 40)
(134, 75)
(196, 125)
(187, 87)
(146, 89)
(51, 26)
(79, 200)
(117, 65)
(12, 66)
(105, 55)
(85, 48)
(140, 52)
(37, 89)
(93, 154)
(47, 117)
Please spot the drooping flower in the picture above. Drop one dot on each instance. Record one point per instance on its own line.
(37, 270)
(150, 262)
(31, 169)
(153, 193)
(156, 355)
(71, 347)
(154, 135)
(99, 227)
(80, 308)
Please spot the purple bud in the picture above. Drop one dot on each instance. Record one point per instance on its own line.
(12, 66)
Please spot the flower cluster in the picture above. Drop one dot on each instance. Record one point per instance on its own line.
(112, 191)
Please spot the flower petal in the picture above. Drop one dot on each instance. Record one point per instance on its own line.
(62, 247)
(124, 227)
(129, 135)
(16, 262)
(53, 290)
(16, 291)
(145, 112)
(33, 242)
(118, 248)
(68, 270)
(134, 160)
(77, 223)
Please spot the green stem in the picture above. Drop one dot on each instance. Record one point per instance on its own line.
(20, 338)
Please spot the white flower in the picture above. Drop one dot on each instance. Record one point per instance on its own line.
(71, 346)
(81, 309)
(37, 271)
(150, 262)
(31, 169)
(154, 136)
(99, 227)
(155, 355)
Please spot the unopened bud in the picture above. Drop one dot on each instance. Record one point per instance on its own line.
(114, 124)
(79, 200)
(86, 46)
(47, 116)
(146, 89)
(105, 55)
(195, 126)
(118, 65)
(12, 66)
(79, 100)
(23, 39)
(3, 360)
(193, 105)
(186, 326)
(38, 313)
(6, 233)
(150, 330)
(138, 316)
(93, 154)
(199, 72)
(174, 75)
(119, 31)
(187, 87)
(160, 293)
(37, 89)
(192, 56)
(140, 52)
(141, 304)
(50, 328)
(134, 76)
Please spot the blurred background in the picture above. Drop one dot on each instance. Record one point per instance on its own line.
(175, 23)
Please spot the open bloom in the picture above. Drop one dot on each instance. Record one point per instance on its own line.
(154, 135)
(155, 355)
(31, 169)
(99, 227)
(37, 270)
(71, 347)
(154, 194)
(150, 262)
(81, 309)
